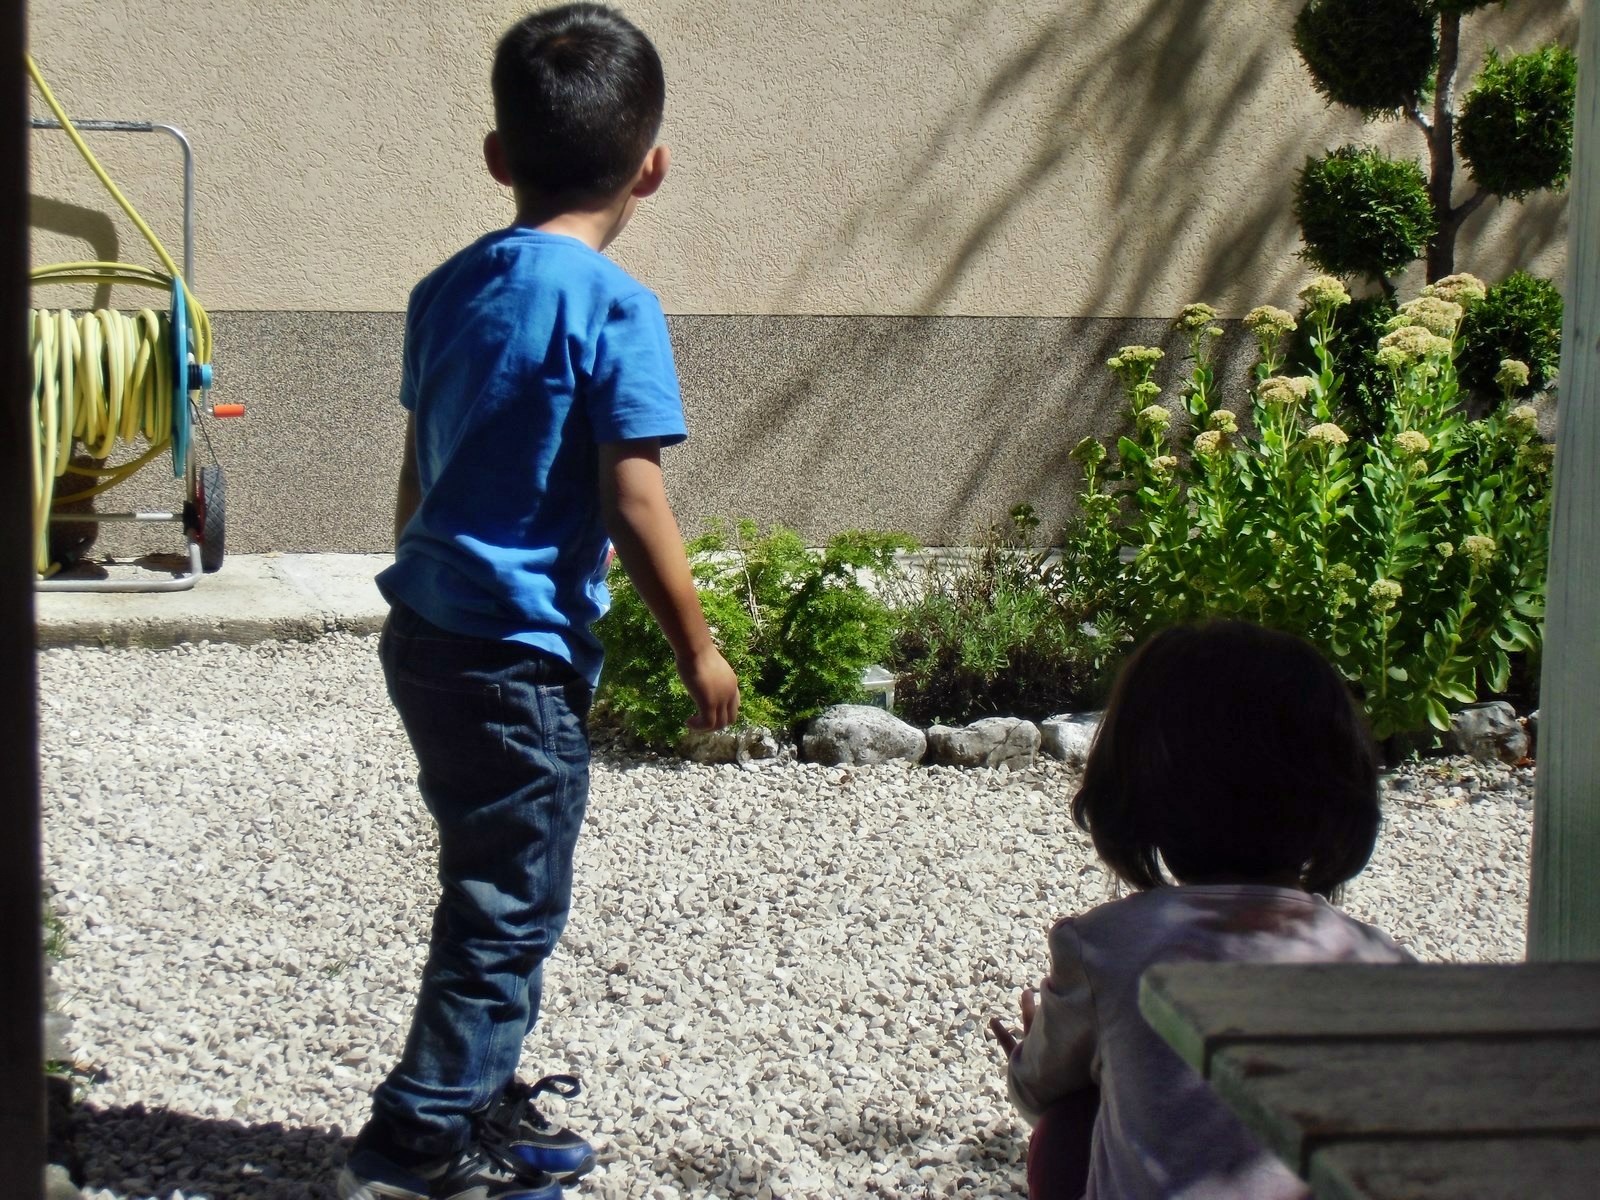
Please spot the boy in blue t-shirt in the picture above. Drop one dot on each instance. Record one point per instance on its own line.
(540, 385)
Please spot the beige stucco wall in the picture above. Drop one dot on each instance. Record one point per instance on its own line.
(1083, 158)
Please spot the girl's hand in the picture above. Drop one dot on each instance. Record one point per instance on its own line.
(1029, 1005)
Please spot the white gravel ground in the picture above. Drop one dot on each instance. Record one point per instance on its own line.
(775, 982)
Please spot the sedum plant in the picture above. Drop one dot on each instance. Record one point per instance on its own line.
(1414, 558)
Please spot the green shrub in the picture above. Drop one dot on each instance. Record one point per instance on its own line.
(1417, 577)
(1366, 392)
(797, 626)
(1374, 55)
(1520, 318)
(1363, 213)
(997, 633)
(1515, 128)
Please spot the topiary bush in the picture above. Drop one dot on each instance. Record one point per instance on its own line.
(1362, 212)
(1375, 55)
(1399, 58)
(1519, 318)
(1515, 129)
(797, 626)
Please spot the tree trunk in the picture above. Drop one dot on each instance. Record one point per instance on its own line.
(1442, 151)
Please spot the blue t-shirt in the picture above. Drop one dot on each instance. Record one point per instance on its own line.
(523, 353)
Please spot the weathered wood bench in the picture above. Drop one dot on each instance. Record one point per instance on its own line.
(1425, 1082)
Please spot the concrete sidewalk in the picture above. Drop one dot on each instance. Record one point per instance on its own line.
(253, 597)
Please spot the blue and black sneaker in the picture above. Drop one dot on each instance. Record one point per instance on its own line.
(513, 1126)
(477, 1173)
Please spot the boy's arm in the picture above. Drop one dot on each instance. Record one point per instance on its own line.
(409, 495)
(633, 501)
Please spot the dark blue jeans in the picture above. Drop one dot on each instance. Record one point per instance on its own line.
(502, 749)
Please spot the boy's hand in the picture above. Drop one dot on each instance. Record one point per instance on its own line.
(713, 687)
(1029, 1004)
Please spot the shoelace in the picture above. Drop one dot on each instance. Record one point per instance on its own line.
(516, 1102)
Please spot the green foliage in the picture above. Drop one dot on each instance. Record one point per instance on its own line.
(1375, 55)
(1366, 390)
(1000, 632)
(1362, 212)
(1520, 318)
(56, 941)
(1515, 128)
(1415, 559)
(798, 627)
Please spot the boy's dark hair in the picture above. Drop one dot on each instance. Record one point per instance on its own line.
(1229, 751)
(578, 97)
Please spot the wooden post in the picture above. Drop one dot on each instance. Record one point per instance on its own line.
(1564, 902)
(21, 1042)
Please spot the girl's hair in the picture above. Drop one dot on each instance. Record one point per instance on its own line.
(1230, 751)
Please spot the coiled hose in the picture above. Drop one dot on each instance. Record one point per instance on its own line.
(104, 376)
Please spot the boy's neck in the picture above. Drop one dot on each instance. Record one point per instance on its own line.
(596, 227)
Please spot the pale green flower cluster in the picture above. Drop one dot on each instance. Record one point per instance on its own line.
(1384, 594)
(1089, 451)
(1409, 345)
(1195, 317)
(1266, 321)
(1341, 573)
(1512, 376)
(1132, 357)
(1524, 415)
(1327, 434)
(1433, 313)
(1538, 457)
(1412, 443)
(1145, 392)
(1162, 463)
(1153, 416)
(1284, 390)
(1209, 443)
(1324, 293)
(1223, 421)
(1480, 548)
(1461, 288)
(1444, 549)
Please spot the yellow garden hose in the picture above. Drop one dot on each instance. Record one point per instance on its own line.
(102, 377)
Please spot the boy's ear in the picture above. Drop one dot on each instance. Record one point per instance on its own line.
(652, 172)
(494, 157)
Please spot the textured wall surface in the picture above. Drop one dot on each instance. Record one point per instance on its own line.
(1041, 158)
(897, 243)
(933, 426)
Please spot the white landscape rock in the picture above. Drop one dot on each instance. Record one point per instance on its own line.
(861, 734)
(992, 742)
(1068, 736)
(745, 744)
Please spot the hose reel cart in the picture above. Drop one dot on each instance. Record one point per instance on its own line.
(106, 378)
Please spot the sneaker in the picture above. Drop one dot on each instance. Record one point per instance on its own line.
(477, 1173)
(513, 1125)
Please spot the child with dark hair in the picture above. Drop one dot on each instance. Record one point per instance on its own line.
(1233, 759)
(540, 387)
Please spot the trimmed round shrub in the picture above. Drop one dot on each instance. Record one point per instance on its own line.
(1375, 55)
(1515, 127)
(1520, 318)
(1362, 212)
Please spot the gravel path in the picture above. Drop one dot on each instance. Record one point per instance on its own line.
(775, 982)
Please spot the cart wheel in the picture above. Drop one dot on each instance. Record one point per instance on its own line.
(210, 518)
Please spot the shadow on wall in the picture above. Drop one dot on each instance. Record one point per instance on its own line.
(1002, 400)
